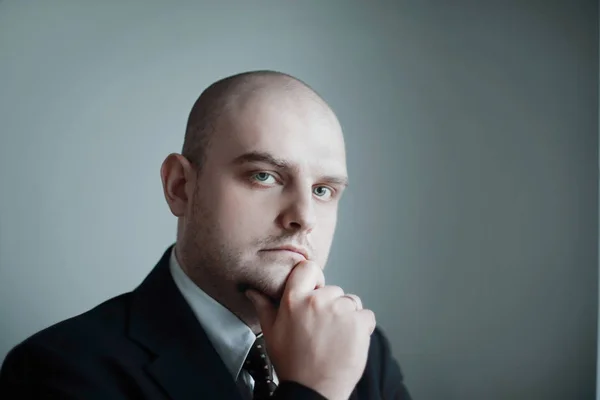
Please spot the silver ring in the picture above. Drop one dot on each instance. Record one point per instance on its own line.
(352, 297)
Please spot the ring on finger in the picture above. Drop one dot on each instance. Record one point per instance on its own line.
(355, 299)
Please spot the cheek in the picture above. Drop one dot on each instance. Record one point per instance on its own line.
(324, 234)
(244, 214)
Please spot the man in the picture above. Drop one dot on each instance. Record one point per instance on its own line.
(238, 307)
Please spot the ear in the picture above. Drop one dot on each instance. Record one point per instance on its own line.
(179, 180)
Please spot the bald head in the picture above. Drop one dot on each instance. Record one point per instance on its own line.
(223, 98)
(263, 166)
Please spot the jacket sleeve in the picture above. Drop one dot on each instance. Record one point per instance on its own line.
(391, 381)
(382, 378)
(34, 372)
(289, 390)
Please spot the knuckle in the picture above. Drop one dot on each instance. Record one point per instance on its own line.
(365, 318)
(338, 309)
(286, 303)
(311, 265)
(369, 313)
(337, 290)
(312, 269)
(357, 324)
(355, 297)
(317, 302)
(372, 319)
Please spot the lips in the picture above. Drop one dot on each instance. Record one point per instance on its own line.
(293, 249)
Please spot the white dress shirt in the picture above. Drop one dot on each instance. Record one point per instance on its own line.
(231, 338)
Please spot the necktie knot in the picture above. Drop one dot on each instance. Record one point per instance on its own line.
(259, 367)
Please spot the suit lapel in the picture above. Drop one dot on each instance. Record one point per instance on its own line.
(186, 365)
(184, 378)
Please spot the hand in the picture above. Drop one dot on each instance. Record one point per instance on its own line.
(319, 337)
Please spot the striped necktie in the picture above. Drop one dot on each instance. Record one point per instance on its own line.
(258, 366)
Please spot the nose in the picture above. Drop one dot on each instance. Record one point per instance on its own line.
(299, 214)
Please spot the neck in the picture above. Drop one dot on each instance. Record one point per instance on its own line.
(225, 293)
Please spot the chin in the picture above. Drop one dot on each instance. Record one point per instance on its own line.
(269, 280)
(273, 294)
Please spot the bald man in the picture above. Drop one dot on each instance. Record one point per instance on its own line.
(238, 307)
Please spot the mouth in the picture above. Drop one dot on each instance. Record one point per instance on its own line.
(289, 249)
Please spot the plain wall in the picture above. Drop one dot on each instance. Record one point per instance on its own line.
(471, 224)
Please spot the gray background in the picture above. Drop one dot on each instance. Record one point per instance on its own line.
(472, 133)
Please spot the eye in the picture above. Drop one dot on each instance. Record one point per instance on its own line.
(323, 192)
(264, 177)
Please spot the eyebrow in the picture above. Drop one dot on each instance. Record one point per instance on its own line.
(259, 156)
(267, 158)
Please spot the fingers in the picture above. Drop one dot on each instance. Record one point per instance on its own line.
(264, 309)
(348, 303)
(357, 301)
(329, 293)
(304, 278)
(351, 303)
(367, 319)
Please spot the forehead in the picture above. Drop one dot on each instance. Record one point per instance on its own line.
(302, 131)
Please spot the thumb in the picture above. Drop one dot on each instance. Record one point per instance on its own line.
(264, 309)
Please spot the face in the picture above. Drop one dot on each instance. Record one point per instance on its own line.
(267, 195)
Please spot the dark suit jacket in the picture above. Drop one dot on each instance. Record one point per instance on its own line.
(147, 344)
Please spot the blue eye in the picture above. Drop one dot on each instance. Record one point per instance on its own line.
(323, 192)
(263, 177)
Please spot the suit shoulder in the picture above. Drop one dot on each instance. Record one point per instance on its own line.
(383, 374)
(104, 321)
(380, 345)
(381, 361)
(85, 354)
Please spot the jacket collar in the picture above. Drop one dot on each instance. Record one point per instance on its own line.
(186, 364)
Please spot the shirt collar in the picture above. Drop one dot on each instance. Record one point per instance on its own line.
(231, 338)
